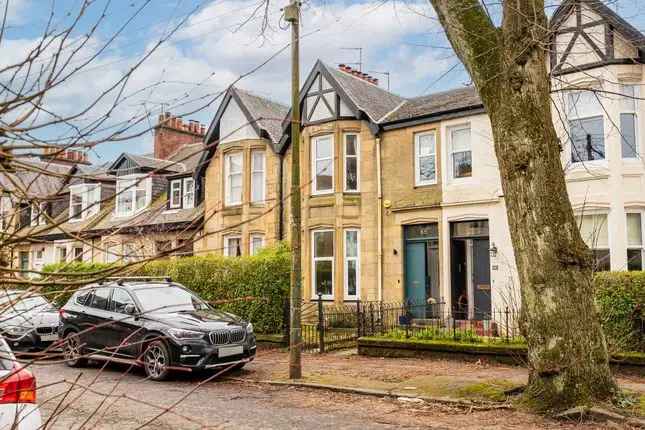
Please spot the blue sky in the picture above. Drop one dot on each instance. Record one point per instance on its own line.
(212, 49)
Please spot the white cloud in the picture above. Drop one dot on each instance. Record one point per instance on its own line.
(212, 50)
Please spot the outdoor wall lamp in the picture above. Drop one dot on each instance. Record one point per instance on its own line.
(493, 250)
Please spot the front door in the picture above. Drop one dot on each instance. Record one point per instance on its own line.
(481, 279)
(415, 277)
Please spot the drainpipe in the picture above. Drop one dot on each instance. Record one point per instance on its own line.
(279, 197)
(379, 229)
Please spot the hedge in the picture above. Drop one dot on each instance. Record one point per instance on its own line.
(621, 301)
(254, 288)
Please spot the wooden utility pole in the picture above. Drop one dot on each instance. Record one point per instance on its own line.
(292, 15)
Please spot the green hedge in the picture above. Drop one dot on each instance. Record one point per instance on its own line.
(58, 292)
(621, 300)
(254, 288)
(263, 279)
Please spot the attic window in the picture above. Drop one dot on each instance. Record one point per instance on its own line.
(38, 216)
(84, 201)
(133, 194)
(182, 193)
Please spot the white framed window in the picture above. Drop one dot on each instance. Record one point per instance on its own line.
(322, 164)
(189, 193)
(232, 246)
(425, 159)
(61, 254)
(78, 253)
(84, 201)
(234, 179)
(595, 232)
(5, 212)
(352, 275)
(635, 241)
(38, 258)
(322, 253)
(258, 176)
(629, 121)
(133, 194)
(585, 114)
(460, 152)
(351, 150)
(257, 243)
(175, 193)
(38, 216)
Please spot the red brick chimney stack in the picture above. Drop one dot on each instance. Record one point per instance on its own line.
(171, 133)
(360, 75)
(63, 155)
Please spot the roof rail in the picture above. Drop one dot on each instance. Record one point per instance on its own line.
(120, 279)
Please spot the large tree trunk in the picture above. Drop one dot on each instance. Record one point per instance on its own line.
(568, 360)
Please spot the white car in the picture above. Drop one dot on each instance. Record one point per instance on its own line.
(27, 320)
(18, 407)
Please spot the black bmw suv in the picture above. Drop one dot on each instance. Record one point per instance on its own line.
(159, 325)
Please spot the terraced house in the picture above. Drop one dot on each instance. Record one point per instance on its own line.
(244, 176)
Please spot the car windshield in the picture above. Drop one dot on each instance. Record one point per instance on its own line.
(168, 299)
(21, 303)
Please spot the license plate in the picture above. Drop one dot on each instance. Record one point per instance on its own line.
(48, 337)
(227, 351)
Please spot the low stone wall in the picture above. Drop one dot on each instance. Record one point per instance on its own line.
(503, 353)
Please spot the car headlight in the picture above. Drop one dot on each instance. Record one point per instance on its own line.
(181, 334)
(249, 328)
(16, 330)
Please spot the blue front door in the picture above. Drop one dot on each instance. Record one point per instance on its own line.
(415, 277)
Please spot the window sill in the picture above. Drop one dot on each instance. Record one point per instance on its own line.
(417, 186)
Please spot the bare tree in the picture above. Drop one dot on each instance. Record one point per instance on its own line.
(568, 358)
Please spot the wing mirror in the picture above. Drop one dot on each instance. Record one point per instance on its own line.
(130, 309)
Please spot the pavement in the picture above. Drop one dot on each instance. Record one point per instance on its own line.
(117, 397)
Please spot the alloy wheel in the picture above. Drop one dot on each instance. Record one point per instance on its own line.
(155, 361)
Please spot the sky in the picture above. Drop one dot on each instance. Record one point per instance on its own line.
(209, 44)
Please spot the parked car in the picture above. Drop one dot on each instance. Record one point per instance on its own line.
(27, 320)
(159, 325)
(18, 408)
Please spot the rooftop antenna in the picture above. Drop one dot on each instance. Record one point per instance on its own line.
(386, 74)
(360, 57)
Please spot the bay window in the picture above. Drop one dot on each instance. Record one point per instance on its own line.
(323, 263)
(257, 176)
(233, 178)
(323, 164)
(460, 152)
(586, 126)
(351, 149)
(425, 159)
(84, 201)
(635, 249)
(595, 233)
(232, 246)
(133, 195)
(628, 121)
(352, 264)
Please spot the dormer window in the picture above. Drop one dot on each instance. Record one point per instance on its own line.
(38, 214)
(5, 213)
(84, 201)
(182, 193)
(133, 194)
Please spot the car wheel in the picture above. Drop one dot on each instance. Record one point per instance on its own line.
(73, 351)
(156, 361)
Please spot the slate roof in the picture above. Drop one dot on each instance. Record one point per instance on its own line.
(369, 98)
(155, 163)
(435, 104)
(188, 156)
(267, 113)
(37, 178)
(156, 214)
